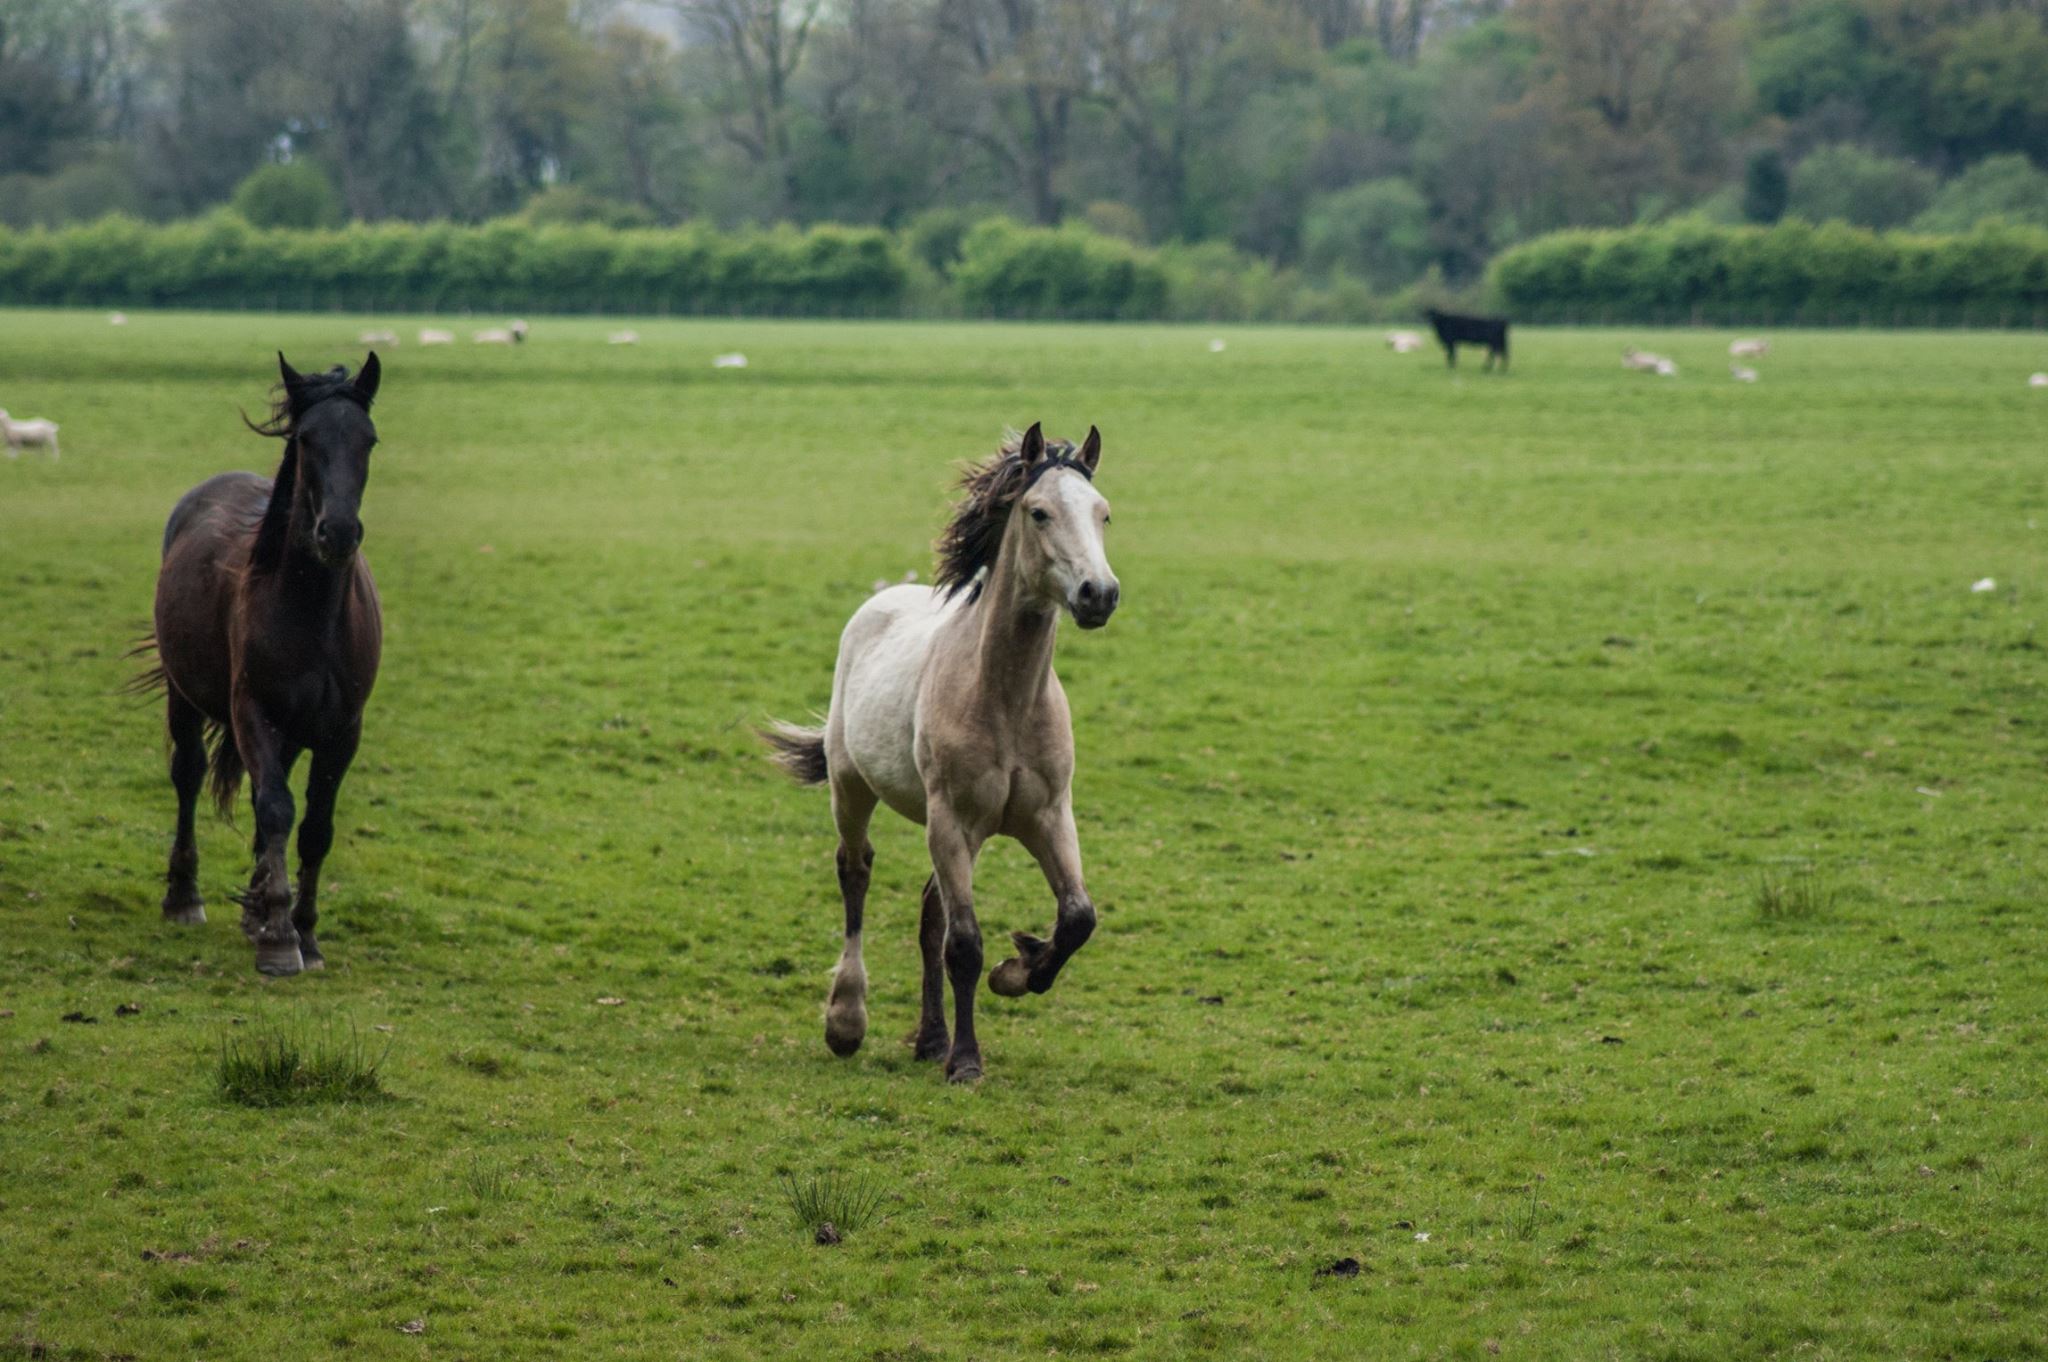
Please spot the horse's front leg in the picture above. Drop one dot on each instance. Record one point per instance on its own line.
(953, 849)
(316, 836)
(267, 904)
(1056, 846)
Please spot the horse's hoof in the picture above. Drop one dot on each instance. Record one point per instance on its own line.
(843, 1038)
(963, 1069)
(1010, 979)
(929, 1045)
(189, 913)
(279, 959)
(313, 961)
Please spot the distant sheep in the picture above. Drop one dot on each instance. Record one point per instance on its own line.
(1741, 374)
(735, 360)
(432, 337)
(378, 338)
(1748, 349)
(623, 338)
(2037, 381)
(19, 435)
(1641, 361)
(1403, 342)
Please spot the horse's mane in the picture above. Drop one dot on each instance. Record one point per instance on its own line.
(287, 405)
(970, 542)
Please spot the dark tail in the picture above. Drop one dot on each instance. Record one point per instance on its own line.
(799, 751)
(226, 760)
(223, 757)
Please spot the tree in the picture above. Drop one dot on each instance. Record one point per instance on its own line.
(2007, 187)
(1990, 92)
(289, 194)
(755, 47)
(1849, 184)
(1025, 60)
(1378, 230)
(1765, 187)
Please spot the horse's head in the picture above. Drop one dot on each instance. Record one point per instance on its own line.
(330, 428)
(1058, 521)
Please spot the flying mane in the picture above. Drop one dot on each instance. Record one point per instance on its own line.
(968, 546)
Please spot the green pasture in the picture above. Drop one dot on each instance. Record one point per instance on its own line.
(1570, 842)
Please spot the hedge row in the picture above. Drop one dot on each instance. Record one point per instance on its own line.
(994, 268)
(1794, 272)
(221, 261)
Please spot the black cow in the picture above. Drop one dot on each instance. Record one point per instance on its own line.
(1491, 332)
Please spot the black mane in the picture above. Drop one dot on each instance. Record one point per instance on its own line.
(971, 541)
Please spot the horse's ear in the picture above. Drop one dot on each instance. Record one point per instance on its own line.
(367, 379)
(1091, 451)
(1032, 447)
(293, 379)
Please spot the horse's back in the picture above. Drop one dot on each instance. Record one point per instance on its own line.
(207, 530)
(873, 721)
(225, 503)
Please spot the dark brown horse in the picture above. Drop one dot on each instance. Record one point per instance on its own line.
(267, 638)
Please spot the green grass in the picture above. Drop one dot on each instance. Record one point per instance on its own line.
(296, 1064)
(1427, 779)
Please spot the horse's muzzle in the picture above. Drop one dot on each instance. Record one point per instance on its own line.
(1094, 603)
(337, 539)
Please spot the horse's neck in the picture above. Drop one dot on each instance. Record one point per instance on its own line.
(1013, 654)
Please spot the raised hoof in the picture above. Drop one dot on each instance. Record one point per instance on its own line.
(279, 959)
(963, 1068)
(309, 952)
(929, 1045)
(1011, 979)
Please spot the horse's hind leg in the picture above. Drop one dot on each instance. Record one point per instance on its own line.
(1057, 848)
(182, 902)
(930, 1040)
(846, 1005)
(316, 836)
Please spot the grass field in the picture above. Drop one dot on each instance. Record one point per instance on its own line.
(1570, 842)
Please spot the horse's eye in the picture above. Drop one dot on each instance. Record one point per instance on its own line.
(1040, 516)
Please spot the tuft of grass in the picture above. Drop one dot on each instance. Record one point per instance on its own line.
(832, 1200)
(295, 1065)
(487, 1181)
(1793, 898)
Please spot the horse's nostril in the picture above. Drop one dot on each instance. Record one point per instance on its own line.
(1087, 591)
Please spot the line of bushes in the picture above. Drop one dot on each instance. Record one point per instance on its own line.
(1790, 273)
(221, 261)
(960, 266)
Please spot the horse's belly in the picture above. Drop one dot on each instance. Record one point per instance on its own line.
(874, 693)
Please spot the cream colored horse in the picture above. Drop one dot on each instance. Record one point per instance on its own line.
(945, 707)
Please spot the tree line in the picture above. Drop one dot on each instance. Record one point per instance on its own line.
(1378, 142)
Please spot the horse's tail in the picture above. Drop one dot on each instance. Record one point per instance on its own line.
(153, 680)
(799, 751)
(225, 760)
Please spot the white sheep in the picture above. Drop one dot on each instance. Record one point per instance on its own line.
(1740, 374)
(623, 338)
(1748, 349)
(432, 337)
(21, 434)
(378, 338)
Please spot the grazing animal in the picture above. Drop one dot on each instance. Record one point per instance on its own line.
(1748, 349)
(735, 360)
(1404, 342)
(2037, 380)
(1667, 368)
(268, 634)
(1741, 374)
(432, 337)
(378, 338)
(117, 319)
(946, 708)
(623, 338)
(494, 335)
(1216, 346)
(1642, 361)
(1453, 330)
(19, 435)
